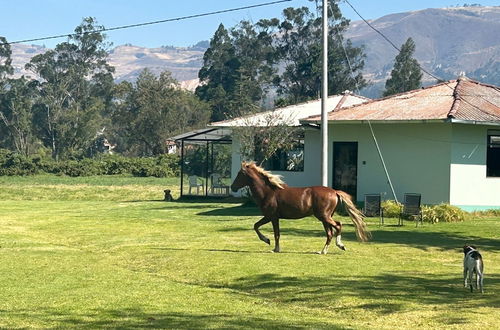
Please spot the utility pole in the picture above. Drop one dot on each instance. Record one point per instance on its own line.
(324, 97)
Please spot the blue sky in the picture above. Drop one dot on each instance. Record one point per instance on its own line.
(28, 19)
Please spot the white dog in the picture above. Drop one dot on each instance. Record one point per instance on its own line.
(473, 263)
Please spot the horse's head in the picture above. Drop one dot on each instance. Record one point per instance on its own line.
(243, 177)
(251, 173)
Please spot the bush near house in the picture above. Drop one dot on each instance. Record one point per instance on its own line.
(430, 213)
(160, 166)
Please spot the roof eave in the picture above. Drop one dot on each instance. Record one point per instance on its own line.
(474, 122)
(379, 121)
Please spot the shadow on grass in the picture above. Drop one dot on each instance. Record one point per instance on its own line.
(136, 318)
(231, 251)
(386, 293)
(412, 238)
(425, 240)
(240, 210)
(440, 297)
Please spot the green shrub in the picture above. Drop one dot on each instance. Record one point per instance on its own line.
(430, 213)
(391, 208)
(450, 213)
(117, 164)
(15, 164)
(486, 213)
(161, 166)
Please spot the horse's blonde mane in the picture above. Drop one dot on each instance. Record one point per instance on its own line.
(274, 179)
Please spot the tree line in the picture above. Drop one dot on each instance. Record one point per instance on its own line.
(73, 103)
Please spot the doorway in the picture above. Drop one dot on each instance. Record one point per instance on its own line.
(345, 167)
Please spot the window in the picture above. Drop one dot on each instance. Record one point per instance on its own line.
(285, 160)
(493, 154)
(291, 160)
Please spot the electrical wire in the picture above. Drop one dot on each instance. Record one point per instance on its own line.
(147, 23)
(420, 66)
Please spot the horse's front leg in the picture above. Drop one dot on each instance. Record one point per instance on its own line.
(256, 226)
(276, 230)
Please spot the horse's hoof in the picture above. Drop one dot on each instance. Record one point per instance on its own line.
(342, 248)
(268, 241)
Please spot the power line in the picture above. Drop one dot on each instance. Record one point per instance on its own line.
(148, 23)
(420, 66)
(388, 40)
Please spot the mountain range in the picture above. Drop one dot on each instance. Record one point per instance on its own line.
(449, 42)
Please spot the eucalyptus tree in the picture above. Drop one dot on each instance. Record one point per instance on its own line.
(75, 88)
(299, 47)
(5, 70)
(153, 109)
(16, 114)
(5, 59)
(406, 74)
(218, 74)
(238, 68)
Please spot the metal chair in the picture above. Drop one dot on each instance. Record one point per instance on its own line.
(195, 182)
(373, 207)
(411, 207)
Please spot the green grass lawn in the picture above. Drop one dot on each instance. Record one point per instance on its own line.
(106, 252)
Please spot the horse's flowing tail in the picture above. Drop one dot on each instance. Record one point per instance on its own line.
(356, 216)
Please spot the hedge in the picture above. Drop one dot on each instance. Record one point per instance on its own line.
(160, 166)
(430, 213)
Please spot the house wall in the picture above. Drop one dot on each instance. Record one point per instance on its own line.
(417, 157)
(309, 177)
(444, 162)
(470, 188)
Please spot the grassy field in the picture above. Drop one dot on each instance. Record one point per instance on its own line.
(106, 252)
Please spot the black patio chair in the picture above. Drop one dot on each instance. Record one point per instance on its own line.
(411, 208)
(373, 207)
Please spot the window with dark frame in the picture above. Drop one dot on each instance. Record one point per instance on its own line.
(493, 154)
(285, 160)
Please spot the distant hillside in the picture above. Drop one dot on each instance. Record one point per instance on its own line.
(448, 41)
(129, 61)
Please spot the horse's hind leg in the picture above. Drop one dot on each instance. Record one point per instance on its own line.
(329, 235)
(338, 230)
(256, 226)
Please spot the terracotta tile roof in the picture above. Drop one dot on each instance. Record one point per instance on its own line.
(461, 99)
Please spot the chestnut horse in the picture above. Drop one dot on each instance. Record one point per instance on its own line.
(278, 201)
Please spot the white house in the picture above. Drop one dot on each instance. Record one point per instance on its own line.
(442, 141)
